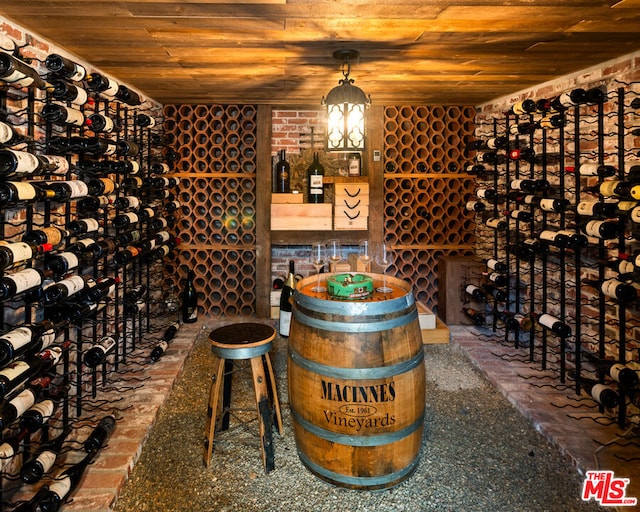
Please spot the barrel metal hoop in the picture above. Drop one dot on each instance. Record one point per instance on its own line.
(378, 372)
(360, 481)
(333, 326)
(240, 352)
(354, 308)
(354, 440)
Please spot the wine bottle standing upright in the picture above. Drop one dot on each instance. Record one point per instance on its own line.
(190, 300)
(283, 184)
(315, 177)
(285, 301)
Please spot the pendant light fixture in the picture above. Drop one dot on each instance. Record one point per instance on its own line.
(345, 105)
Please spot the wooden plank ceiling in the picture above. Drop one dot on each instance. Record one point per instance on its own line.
(280, 51)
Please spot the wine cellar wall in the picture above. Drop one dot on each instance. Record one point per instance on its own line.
(88, 217)
(560, 204)
(425, 188)
(217, 191)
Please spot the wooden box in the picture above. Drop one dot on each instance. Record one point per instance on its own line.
(287, 198)
(351, 194)
(301, 217)
(349, 220)
(454, 272)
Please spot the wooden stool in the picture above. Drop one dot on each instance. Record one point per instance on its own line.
(235, 342)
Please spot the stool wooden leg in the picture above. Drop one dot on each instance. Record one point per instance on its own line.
(264, 415)
(226, 394)
(212, 410)
(273, 393)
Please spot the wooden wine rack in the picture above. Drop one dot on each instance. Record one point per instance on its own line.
(424, 191)
(217, 170)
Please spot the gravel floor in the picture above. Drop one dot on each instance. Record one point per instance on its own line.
(478, 454)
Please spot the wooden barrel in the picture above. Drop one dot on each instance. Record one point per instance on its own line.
(357, 385)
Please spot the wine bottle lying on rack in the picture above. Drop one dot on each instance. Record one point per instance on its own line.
(475, 293)
(623, 375)
(475, 316)
(624, 293)
(63, 67)
(27, 340)
(18, 73)
(15, 284)
(42, 461)
(555, 325)
(99, 352)
(602, 394)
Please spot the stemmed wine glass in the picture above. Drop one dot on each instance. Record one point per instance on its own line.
(384, 258)
(364, 254)
(334, 252)
(317, 258)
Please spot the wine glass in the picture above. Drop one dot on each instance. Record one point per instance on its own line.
(317, 258)
(384, 258)
(334, 252)
(364, 254)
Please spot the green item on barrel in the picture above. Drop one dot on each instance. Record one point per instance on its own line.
(349, 286)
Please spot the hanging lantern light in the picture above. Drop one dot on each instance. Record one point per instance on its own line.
(346, 105)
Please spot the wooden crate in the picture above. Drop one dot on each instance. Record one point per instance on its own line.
(301, 217)
(287, 198)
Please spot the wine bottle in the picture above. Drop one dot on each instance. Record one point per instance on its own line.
(65, 191)
(526, 154)
(551, 121)
(521, 215)
(616, 188)
(19, 74)
(475, 169)
(475, 316)
(169, 333)
(515, 321)
(530, 185)
(523, 107)
(475, 292)
(623, 375)
(12, 409)
(497, 223)
(286, 298)
(99, 123)
(13, 285)
(555, 325)
(101, 248)
(597, 209)
(555, 238)
(491, 158)
(591, 169)
(127, 148)
(145, 121)
(103, 85)
(100, 434)
(63, 262)
(15, 253)
(548, 204)
(498, 279)
(524, 128)
(190, 300)
(51, 235)
(128, 96)
(103, 288)
(283, 174)
(9, 136)
(96, 146)
(43, 460)
(126, 255)
(355, 165)
(63, 67)
(605, 230)
(615, 289)
(601, 393)
(58, 292)
(486, 193)
(34, 418)
(315, 175)
(10, 447)
(577, 96)
(125, 220)
(14, 163)
(21, 193)
(498, 266)
(62, 115)
(80, 227)
(99, 352)
(497, 142)
(26, 339)
(475, 206)
(495, 292)
(64, 91)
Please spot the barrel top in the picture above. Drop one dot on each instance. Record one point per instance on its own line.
(242, 334)
(399, 288)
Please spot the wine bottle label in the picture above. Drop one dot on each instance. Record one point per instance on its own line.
(285, 322)
(70, 258)
(106, 343)
(135, 167)
(548, 235)
(625, 206)
(587, 208)
(18, 337)
(14, 370)
(635, 192)
(6, 453)
(529, 199)
(79, 73)
(548, 205)
(163, 222)
(60, 163)
(491, 263)
(44, 408)
(47, 459)
(48, 337)
(163, 168)
(134, 202)
(52, 235)
(615, 370)
(150, 212)
(162, 347)
(6, 133)
(109, 185)
(74, 116)
(61, 487)
(592, 228)
(25, 162)
(133, 217)
(77, 188)
(72, 284)
(109, 125)
(19, 78)
(25, 279)
(589, 169)
(23, 401)
(471, 288)
(494, 276)
(20, 251)
(548, 320)
(597, 390)
(609, 287)
(625, 267)
(495, 223)
(607, 188)
(86, 242)
(315, 184)
(25, 191)
(163, 236)
(482, 193)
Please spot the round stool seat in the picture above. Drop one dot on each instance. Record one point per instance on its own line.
(242, 341)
